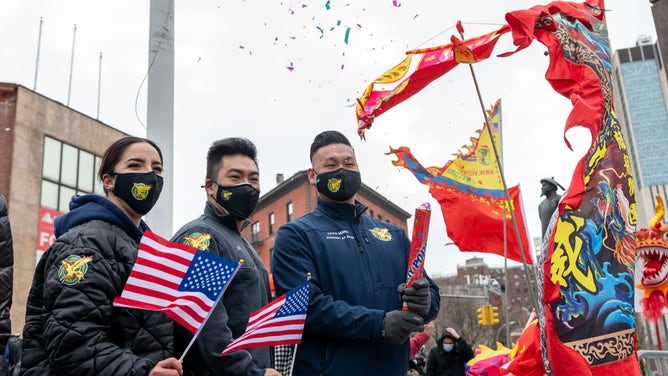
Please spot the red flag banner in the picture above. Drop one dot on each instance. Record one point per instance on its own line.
(176, 279)
(475, 223)
(589, 326)
(472, 196)
(280, 322)
(416, 71)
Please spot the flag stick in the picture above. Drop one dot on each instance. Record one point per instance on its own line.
(220, 295)
(505, 269)
(505, 187)
(292, 361)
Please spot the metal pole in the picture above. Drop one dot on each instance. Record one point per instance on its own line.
(160, 106)
(99, 85)
(69, 86)
(39, 44)
(505, 270)
(507, 325)
(534, 299)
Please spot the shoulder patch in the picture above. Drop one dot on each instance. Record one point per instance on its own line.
(381, 234)
(73, 268)
(198, 240)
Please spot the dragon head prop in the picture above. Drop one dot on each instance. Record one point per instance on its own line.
(652, 250)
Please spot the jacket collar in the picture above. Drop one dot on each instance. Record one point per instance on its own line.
(226, 219)
(342, 211)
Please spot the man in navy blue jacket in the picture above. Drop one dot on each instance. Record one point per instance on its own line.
(355, 324)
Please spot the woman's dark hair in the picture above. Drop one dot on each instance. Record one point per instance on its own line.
(327, 138)
(228, 146)
(114, 152)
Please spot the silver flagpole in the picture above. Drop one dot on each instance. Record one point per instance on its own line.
(69, 86)
(39, 44)
(99, 85)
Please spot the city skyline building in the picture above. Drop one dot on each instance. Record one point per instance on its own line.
(641, 99)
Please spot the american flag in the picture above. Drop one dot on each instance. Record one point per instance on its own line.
(280, 322)
(179, 280)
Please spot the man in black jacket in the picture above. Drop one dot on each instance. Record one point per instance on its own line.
(232, 186)
(449, 356)
(6, 278)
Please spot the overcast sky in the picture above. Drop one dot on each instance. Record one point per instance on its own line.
(279, 72)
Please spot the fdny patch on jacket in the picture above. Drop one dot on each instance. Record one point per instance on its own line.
(381, 234)
(73, 269)
(198, 240)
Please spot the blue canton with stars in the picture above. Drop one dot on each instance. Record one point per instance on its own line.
(208, 274)
(296, 301)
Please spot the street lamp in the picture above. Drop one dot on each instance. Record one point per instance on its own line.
(501, 327)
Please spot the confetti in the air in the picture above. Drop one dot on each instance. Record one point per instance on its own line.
(396, 3)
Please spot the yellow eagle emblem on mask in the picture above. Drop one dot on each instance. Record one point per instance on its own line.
(381, 234)
(225, 195)
(140, 190)
(198, 240)
(73, 269)
(334, 184)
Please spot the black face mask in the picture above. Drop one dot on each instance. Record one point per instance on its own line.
(239, 200)
(339, 185)
(140, 190)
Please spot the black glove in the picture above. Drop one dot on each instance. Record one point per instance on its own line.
(417, 297)
(398, 325)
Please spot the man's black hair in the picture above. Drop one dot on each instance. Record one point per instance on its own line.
(327, 138)
(227, 146)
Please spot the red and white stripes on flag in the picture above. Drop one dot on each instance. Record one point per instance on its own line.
(280, 322)
(177, 279)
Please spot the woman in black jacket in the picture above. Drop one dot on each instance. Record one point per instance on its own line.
(71, 326)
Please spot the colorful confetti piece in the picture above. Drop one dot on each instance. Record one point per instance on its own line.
(396, 3)
(327, 6)
(347, 35)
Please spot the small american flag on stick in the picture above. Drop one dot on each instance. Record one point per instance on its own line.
(280, 322)
(179, 280)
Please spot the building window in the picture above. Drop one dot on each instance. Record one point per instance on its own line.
(371, 213)
(380, 217)
(272, 222)
(255, 232)
(289, 210)
(66, 171)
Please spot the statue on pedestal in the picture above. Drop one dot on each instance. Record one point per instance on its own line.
(547, 207)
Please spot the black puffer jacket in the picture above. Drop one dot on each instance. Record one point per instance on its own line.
(71, 326)
(6, 273)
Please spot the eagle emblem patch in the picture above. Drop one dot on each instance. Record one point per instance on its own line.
(381, 234)
(198, 240)
(334, 185)
(73, 269)
(140, 191)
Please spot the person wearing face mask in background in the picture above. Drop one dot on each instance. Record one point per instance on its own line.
(232, 188)
(355, 324)
(450, 356)
(71, 327)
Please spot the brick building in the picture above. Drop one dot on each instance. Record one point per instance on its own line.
(48, 152)
(293, 197)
